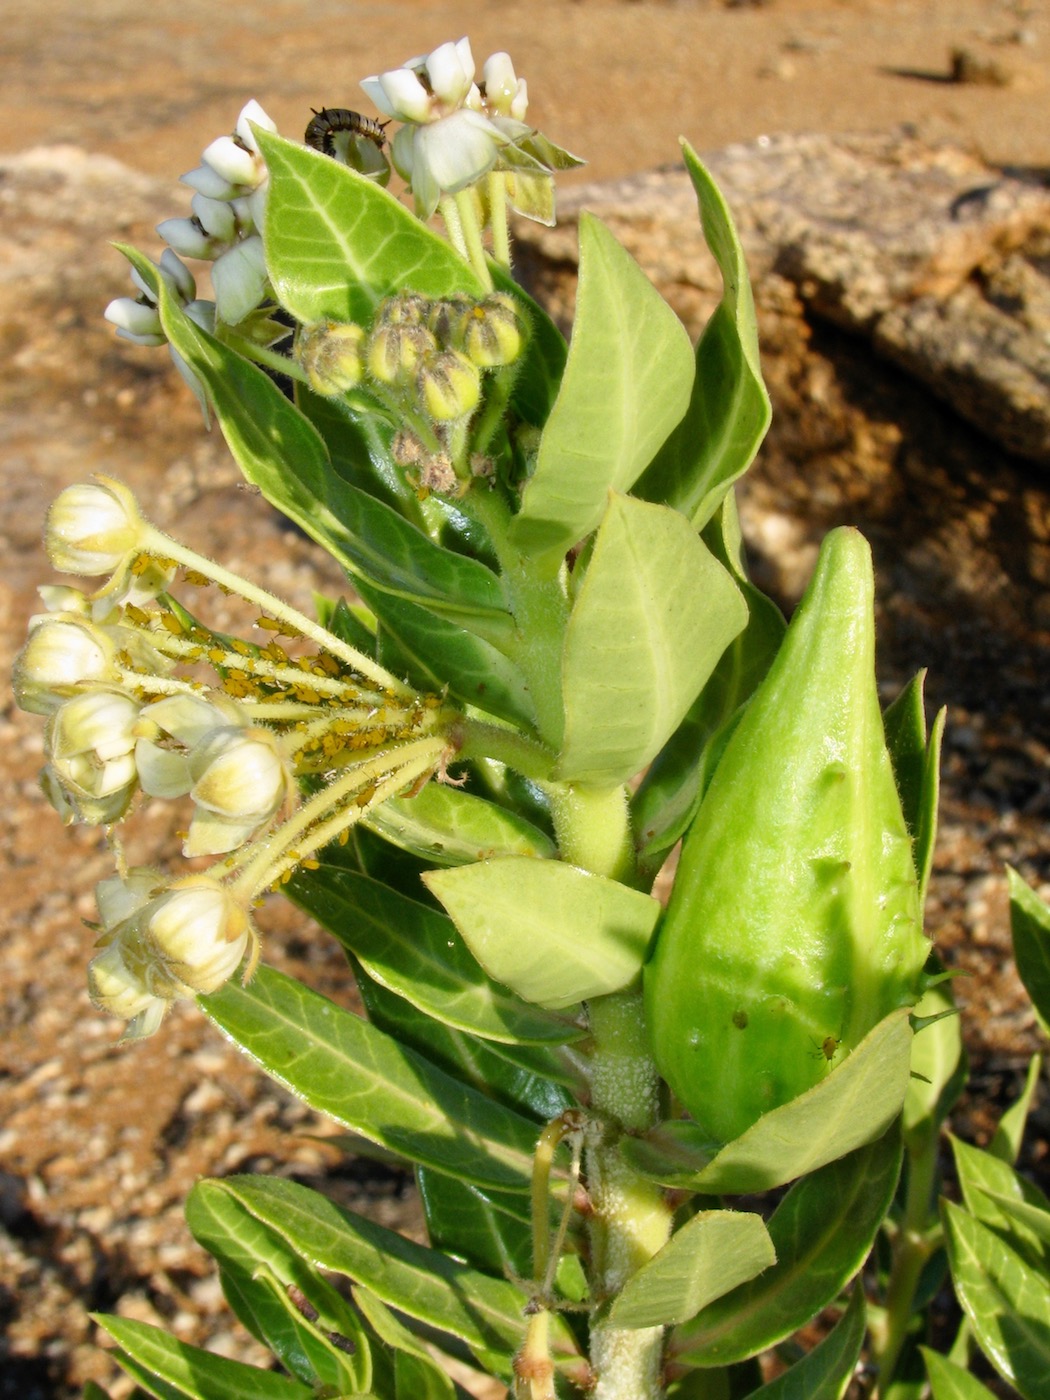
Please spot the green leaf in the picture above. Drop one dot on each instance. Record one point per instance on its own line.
(653, 617)
(260, 1274)
(188, 1371)
(415, 951)
(987, 1183)
(437, 653)
(336, 243)
(1030, 929)
(447, 826)
(554, 934)
(729, 410)
(951, 1382)
(1007, 1302)
(1006, 1144)
(938, 1063)
(484, 1312)
(625, 386)
(397, 558)
(855, 1103)
(490, 1229)
(416, 1375)
(822, 1231)
(708, 1256)
(528, 1078)
(825, 1372)
(342, 1066)
(794, 924)
(916, 767)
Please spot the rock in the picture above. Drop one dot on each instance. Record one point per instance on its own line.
(908, 245)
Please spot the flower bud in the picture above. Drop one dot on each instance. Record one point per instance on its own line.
(394, 351)
(92, 527)
(198, 933)
(90, 744)
(120, 989)
(135, 320)
(449, 385)
(492, 332)
(332, 355)
(240, 782)
(169, 729)
(62, 654)
(506, 94)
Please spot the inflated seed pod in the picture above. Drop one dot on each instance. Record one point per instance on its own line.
(794, 924)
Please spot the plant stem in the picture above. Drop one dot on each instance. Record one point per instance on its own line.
(911, 1250)
(472, 234)
(631, 1218)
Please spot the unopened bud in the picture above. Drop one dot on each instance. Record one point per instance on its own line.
(332, 355)
(120, 988)
(395, 351)
(492, 333)
(61, 655)
(240, 782)
(449, 386)
(90, 741)
(92, 527)
(198, 932)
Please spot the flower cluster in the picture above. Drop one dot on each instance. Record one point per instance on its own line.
(115, 674)
(457, 130)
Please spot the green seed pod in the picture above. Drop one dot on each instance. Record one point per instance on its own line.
(794, 925)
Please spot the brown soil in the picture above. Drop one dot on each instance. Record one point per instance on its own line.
(99, 1144)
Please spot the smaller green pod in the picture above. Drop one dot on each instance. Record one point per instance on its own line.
(794, 925)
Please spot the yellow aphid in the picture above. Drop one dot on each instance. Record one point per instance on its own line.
(217, 656)
(171, 624)
(195, 578)
(268, 624)
(134, 614)
(306, 694)
(365, 796)
(274, 652)
(242, 648)
(311, 864)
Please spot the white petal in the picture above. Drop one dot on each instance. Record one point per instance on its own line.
(162, 772)
(457, 150)
(239, 279)
(229, 159)
(253, 114)
(188, 238)
(450, 69)
(217, 217)
(135, 320)
(208, 181)
(177, 275)
(404, 96)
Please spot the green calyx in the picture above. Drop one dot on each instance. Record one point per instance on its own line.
(795, 925)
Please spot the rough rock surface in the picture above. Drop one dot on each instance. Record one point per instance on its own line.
(938, 259)
(98, 1143)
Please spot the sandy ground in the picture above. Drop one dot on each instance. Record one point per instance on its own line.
(151, 85)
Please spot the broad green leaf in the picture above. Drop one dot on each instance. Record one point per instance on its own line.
(397, 558)
(189, 1371)
(336, 243)
(437, 653)
(825, 1372)
(822, 1231)
(987, 1182)
(554, 934)
(938, 1063)
(260, 1273)
(729, 410)
(484, 1312)
(1008, 1135)
(447, 826)
(855, 1103)
(1007, 1302)
(625, 386)
(708, 1256)
(416, 952)
(777, 975)
(654, 615)
(1030, 930)
(342, 1066)
(529, 1078)
(417, 1377)
(490, 1229)
(950, 1382)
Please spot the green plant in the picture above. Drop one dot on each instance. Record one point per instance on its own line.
(552, 602)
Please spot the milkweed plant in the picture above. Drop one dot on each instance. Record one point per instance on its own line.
(654, 1139)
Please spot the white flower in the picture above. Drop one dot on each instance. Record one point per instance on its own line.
(61, 654)
(169, 729)
(120, 989)
(197, 932)
(505, 94)
(240, 780)
(233, 166)
(92, 527)
(90, 742)
(448, 141)
(240, 280)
